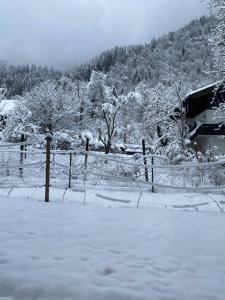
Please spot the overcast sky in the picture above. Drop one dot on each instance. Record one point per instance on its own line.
(65, 33)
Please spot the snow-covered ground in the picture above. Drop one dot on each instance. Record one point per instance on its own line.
(171, 248)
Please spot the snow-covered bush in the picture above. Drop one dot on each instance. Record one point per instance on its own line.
(62, 140)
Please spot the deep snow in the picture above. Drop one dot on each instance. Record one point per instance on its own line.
(109, 250)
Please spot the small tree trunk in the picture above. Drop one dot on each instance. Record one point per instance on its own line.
(163, 142)
(108, 147)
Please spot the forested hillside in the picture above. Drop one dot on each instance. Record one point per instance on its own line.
(17, 80)
(185, 53)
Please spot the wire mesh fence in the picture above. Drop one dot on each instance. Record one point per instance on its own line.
(149, 171)
(18, 168)
(76, 168)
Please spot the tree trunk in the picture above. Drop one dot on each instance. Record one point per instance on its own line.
(163, 142)
(108, 147)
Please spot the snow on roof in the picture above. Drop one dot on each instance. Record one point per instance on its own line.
(7, 105)
(203, 88)
(133, 150)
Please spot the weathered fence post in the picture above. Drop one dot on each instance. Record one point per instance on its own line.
(145, 159)
(153, 174)
(70, 170)
(47, 166)
(86, 157)
(86, 154)
(22, 140)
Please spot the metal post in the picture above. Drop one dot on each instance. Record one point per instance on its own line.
(22, 139)
(70, 170)
(25, 153)
(145, 159)
(47, 166)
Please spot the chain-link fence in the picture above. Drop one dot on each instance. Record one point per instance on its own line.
(22, 168)
(80, 168)
(151, 172)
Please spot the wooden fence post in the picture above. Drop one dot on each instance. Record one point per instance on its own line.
(86, 155)
(153, 174)
(86, 158)
(145, 159)
(47, 166)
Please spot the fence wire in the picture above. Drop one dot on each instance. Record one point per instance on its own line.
(18, 168)
(72, 169)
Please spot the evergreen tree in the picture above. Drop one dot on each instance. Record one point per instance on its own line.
(218, 37)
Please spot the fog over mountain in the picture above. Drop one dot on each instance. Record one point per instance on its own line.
(66, 33)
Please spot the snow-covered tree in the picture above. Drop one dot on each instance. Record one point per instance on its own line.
(78, 92)
(132, 117)
(164, 118)
(157, 118)
(217, 40)
(218, 37)
(108, 121)
(3, 91)
(97, 95)
(49, 107)
(104, 107)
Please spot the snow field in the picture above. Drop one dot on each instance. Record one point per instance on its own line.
(109, 250)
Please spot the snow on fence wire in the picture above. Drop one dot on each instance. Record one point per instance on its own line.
(97, 169)
(151, 172)
(74, 169)
(21, 168)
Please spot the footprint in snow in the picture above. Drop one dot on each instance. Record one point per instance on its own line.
(3, 261)
(30, 233)
(34, 257)
(85, 259)
(107, 271)
(58, 258)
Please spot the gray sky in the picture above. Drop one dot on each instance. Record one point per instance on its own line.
(65, 33)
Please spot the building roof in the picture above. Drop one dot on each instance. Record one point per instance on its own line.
(203, 90)
(7, 106)
(205, 98)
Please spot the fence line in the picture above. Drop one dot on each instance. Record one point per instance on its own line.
(14, 145)
(71, 169)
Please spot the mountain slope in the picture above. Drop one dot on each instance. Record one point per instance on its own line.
(185, 54)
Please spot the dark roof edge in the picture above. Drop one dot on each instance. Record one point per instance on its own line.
(204, 90)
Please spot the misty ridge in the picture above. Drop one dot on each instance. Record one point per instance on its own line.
(184, 53)
(64, 34)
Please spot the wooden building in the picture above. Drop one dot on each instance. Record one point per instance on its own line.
(208, 130)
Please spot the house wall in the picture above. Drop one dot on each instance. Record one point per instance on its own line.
(211, 142)
(207, 117)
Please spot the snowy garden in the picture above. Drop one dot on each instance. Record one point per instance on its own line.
(104, 195)
(166, 249)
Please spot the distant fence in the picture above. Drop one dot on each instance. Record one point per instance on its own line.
(72, 169)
